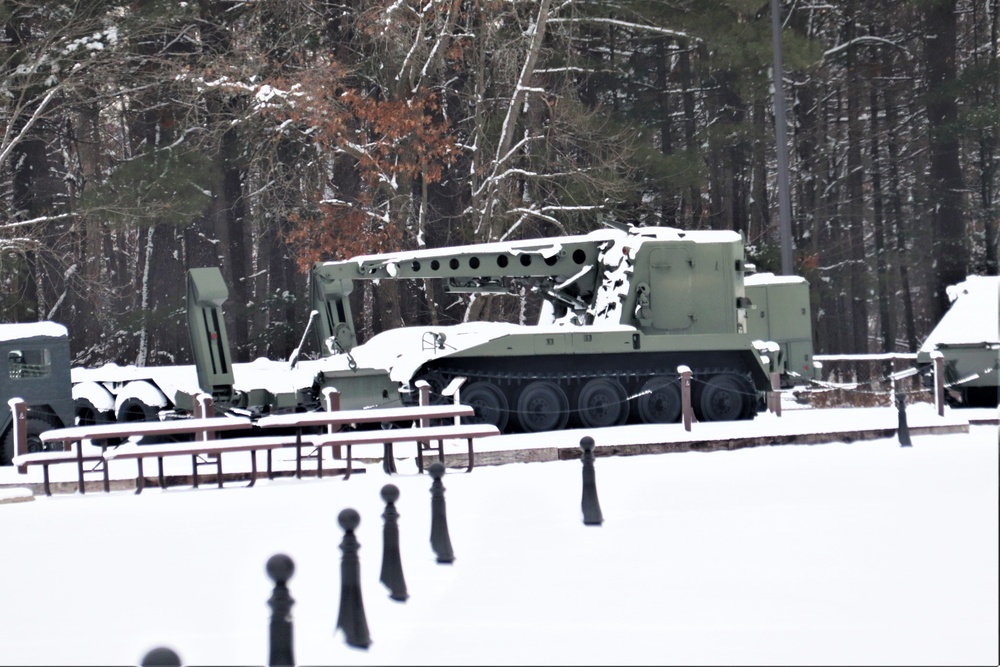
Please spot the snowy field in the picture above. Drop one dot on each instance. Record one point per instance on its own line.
(866, 553)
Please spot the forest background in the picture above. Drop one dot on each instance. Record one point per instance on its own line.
(139, 139)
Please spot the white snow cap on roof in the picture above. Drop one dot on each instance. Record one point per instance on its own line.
(17, 330)
(771, 279)
(974, 316)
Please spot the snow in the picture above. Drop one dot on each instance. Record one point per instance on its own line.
(771, 279)
(19, 330)
(863, 553)
(974, 315)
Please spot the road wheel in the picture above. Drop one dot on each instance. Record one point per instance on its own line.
(660, 402)
(87, 413)
(602, 402)
(542, 406)
(36, 424)
(724, 398)
(136, 410)
(489, 402)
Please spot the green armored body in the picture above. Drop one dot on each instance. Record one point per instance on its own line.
(779, 312)
(623, 310)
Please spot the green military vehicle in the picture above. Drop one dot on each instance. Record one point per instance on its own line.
(38, 371)
(35, 368)
(622, 310)
(263, 386)
(968, 338)
(779, 312)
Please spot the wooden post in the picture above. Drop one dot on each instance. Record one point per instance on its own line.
(424, 399)
(204, 406)
(774, 397)
(938, 360)
(19, 424)
(331, 398)
(686, 410)
(453, 390)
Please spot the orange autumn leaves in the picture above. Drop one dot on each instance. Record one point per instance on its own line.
(386, 145)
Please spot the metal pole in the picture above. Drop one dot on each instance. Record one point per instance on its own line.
(781, 137)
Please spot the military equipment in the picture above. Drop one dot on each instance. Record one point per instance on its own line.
(35, 369)
(260, 387)
(622, 309)
(968, 337)
(779, 312)
(38, 371)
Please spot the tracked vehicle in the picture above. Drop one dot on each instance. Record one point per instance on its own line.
(622, 310)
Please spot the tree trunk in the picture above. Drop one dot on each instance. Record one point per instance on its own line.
(950, 252)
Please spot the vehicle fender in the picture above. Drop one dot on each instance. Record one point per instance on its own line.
(96, 393)
(143, 392)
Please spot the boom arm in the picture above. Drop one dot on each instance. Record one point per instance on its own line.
(565, 269)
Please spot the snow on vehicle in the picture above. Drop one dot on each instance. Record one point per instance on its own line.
(623, 308)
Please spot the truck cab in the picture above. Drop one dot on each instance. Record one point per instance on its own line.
(34, 366)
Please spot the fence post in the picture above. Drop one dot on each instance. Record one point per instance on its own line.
(686, 410)
(423, 400)
(331, 400)
(440, 539)
(392, 562)
(904, 430)
(280, 568)
(204, 406)
(774, 398)
(591, 506)
(161, 657)
(351, 618)
(454, 390)
(19, 428)
(938, 360)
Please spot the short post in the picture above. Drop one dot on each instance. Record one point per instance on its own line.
(392, 563)
(904, 430)
(207, 405)
(686, 410)
(351, 618)
(774, 398)
(440, 540)
(423, 400)
(204, 407)
(161, 657)
(280, 568)
(591, 506)
(938, 360)
(19, 428)
(454, 390)
(331, 400)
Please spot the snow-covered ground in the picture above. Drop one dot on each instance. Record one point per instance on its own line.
(866, 553)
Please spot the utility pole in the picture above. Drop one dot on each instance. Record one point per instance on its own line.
(781, 137)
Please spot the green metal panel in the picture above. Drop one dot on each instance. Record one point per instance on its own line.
(206, 292)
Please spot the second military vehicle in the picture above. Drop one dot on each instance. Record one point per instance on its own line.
(623, 310)
(968, 337)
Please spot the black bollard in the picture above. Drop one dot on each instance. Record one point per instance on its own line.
(392, 563)
(590, 505)
(440, 540)
(904, 430)
(351, 618)
(280, 568)
(161, 657)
